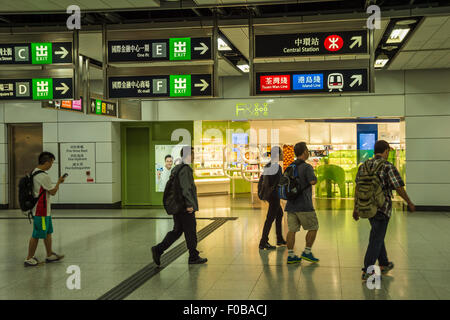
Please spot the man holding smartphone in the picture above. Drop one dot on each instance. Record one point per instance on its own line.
(42, 220)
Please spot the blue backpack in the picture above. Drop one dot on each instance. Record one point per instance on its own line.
(289, 187)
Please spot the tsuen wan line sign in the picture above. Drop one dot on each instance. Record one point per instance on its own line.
(307, 82)
(36, 53)
(173, 49)
(71, 105)
(195, 85)
(306, 44)
(103, 108)
(36, 89)
(78, 160)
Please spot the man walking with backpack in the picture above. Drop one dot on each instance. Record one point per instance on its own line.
(375, 181)
(42, 220)
(300, 210)
(182, 179)
(270, 178)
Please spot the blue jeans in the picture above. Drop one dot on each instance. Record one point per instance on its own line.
(376, 249)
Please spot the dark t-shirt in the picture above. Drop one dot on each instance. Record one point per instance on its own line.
(304, 202)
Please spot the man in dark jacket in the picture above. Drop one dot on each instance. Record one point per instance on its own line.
(184, 222)
(273, 172)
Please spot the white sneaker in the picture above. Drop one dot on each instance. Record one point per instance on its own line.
(31, 262)
(54, 257)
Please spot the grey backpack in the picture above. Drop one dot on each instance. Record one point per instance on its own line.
(369, 195)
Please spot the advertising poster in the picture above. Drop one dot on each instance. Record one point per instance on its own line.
(78, 161)
(166, 158)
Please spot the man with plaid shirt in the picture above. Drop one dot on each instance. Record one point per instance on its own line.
(390, 180)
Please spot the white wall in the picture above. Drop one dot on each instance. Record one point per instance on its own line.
(64, 127)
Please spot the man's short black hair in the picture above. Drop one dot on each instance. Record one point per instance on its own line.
(168, 156)
(381, 146)
(181, 152)
(300, 148)
(46, 157)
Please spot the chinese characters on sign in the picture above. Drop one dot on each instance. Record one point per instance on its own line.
(275, 83)
(104, 108)
(73, 105)
(78, 160)
(36, 89)
(304, 44)
(36, 53)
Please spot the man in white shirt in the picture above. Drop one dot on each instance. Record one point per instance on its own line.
(42, 220)
(165, 175)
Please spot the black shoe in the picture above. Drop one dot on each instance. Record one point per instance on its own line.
(281, 242)
(266, 246)
(156, 256)
(199, 260)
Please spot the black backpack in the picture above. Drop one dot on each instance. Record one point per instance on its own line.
(27, 201)
(289, 187)
(173, 199)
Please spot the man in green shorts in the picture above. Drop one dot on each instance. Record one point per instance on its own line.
(42, 219)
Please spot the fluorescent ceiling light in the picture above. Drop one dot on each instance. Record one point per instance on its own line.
(398, 35)
(222, 45)
(381, 61)
(244, 67)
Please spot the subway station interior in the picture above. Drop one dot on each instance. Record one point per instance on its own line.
(115, 89)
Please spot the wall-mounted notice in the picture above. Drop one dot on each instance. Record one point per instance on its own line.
(78, 160)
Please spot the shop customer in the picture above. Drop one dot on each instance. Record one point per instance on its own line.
(390, 180)
(273, 173)
(301, 210)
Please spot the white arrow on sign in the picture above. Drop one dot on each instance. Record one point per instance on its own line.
(202, 85)
(357, 40)
(203, 48)
(63, 52)
(64, 88)
(358, 79)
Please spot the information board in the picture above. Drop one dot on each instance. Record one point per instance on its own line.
(103, 108)
(71, 105)
(78, 160)
(36, 89)
(36, 53)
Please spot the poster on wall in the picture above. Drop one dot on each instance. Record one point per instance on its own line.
(78, 161)
(166, 158)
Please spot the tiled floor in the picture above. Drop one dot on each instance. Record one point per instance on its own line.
(108, 251)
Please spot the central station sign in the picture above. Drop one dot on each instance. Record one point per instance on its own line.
(306, 44)
(160, 86)
(36, 53)
(36, 89)
(173, 49)
(307, 82)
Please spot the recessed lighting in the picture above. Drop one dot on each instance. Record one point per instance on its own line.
(381, 61)
(398, 35)
(244, 67)
(222, 45)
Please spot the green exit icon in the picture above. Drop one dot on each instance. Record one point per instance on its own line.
(41, 53)
(42, 89)
(180, 86)
(180, 48)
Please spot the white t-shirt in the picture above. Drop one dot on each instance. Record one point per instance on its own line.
(165, 175)
(42, 180)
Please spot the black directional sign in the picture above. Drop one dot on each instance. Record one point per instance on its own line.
(36, 53)
(307, 44)
(173, 49)
(36, 89)
(160, 86)
(308, 82)
(102, 107)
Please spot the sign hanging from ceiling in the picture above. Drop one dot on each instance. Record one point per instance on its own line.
(36, 89)
(173, 49)
(71, 105)
(195, 85)
(103, 108)
(307, 44)
(307, 82)
(36, 53)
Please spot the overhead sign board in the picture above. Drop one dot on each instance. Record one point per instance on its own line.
(195, 85)
(173, 49)
(71, 105)
(36, 53)
(307, 44)
(103, 108)
(36, 89)
(307, 82)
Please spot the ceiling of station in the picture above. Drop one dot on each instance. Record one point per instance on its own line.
(428, 48)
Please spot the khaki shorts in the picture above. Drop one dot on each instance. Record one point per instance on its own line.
(308, 220)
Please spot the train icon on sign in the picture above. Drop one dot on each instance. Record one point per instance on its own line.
(335, 81)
